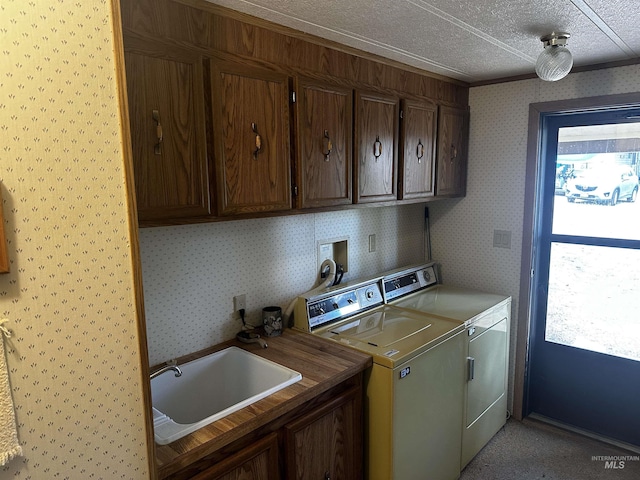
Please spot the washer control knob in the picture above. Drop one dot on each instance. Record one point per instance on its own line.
(369, 294)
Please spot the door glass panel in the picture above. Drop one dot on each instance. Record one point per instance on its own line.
(594, 299)
(596, 183)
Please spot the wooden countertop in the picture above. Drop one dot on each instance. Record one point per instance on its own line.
(323, 365)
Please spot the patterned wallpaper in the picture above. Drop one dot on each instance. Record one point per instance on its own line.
(74, 364)
(462, 230)
(191, 273)
(74, 357)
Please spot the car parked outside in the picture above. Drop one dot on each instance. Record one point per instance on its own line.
(603, 184)
(563, 173)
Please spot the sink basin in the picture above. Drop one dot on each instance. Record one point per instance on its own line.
(211, 388)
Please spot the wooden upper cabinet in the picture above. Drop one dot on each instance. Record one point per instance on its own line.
(376, 137)
(324, 131)
(417, 152)
(251, 137)
(166, 95)
(451, 164)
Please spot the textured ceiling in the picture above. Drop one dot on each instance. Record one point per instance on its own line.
(470, 40)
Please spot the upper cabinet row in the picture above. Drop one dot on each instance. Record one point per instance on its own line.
(213, 138)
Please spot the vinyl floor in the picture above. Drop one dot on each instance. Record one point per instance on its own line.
(532, 449)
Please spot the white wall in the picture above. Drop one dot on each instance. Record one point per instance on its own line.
(191, 273)
(462, 229)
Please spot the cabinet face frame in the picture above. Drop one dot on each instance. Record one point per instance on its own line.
(315, 168)
(193, 189)
(417, 152)
(268, 143)
(259, 458)
(375, 147)
(4, 257)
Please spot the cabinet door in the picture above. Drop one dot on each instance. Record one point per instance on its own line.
(376, 147)
(166, 95)
(251, 118)
(451, 167)
(327, 443)
(324, 120)
(258, 461)
(417, 154)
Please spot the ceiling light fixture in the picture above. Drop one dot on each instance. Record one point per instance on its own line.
(555, 61)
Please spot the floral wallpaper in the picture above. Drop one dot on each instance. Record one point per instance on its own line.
(73, 358)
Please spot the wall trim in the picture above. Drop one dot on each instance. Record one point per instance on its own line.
(136, 262)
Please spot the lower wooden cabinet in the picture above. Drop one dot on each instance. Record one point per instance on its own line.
(321, 439)
(326, 444)
(258, 461)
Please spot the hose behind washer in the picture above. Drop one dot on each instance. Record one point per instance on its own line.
(320, 285)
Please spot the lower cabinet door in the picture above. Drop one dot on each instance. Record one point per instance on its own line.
(326, 444)
(258, 461)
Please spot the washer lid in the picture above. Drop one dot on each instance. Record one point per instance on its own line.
(391, 335)
(382, 328)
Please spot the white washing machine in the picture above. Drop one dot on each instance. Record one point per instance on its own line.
(414, 390)
(486, 318)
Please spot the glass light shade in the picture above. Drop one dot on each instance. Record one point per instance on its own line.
(554, 63)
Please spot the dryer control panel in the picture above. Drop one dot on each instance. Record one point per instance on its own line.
(401, 283)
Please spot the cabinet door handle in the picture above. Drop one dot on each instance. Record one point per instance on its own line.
(327, 476)
(472, 367)
(377, 148)
(327, 145)
(420, 151)
(454, 153)
(157, 148)
(258, 149)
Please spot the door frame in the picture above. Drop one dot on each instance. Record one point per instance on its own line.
(530, 222)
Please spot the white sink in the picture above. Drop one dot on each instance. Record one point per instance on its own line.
(211, 388)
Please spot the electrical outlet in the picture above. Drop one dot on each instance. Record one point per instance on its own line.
(502, 238)
(239, 302)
